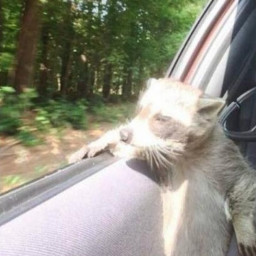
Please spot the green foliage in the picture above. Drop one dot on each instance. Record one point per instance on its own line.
(113, 113)
(10, 120)
(42, 119)
(11, 108)
(9, 24)
(28, 138)
(61, 113)
(80, 39)
(103, 114)
(20, 115)
(96, 101)
(21, 101)
(6, 60)
(11, 180)
(26, 99)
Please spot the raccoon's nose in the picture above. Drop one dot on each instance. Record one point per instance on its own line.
(126, 135)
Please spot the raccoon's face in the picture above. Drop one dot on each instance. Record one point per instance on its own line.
(170, 116)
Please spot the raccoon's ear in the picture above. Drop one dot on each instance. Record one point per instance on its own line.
(210, 108)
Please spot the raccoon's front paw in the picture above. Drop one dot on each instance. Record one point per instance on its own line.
(88, 151)
(78, 155)
(108, 141)
(95, 147)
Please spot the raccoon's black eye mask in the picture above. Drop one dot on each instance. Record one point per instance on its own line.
(166, 127)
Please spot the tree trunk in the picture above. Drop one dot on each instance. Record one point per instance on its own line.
(67, 50)
(66, 67)
(82, 87)
(3, 77)
(3, 73)
(44, 64)
(91, 82)
(27, 42)
(1, 25)
(107, 80)
(127, 83)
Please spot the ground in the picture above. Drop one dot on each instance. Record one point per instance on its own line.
(20, 164)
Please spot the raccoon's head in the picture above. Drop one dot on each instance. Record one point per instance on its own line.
(172, 117)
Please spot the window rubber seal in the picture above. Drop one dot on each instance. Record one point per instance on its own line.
(21, 199)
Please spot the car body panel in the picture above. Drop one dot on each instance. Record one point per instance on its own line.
(89, 218)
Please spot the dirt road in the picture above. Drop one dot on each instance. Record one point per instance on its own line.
(19, 164)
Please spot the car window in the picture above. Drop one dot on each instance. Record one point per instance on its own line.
(70, 70)
(225, 51)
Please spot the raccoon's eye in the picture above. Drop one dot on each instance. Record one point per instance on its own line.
(162, 118)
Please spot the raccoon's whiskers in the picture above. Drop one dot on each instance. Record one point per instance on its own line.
(149, 158)
(156, 158)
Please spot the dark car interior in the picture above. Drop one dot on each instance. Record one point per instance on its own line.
(107, 206)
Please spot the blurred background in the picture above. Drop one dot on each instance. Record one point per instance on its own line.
(72, 69)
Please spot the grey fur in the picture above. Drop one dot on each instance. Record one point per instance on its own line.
(200, 172)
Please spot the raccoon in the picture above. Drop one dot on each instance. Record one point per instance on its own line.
(207, 185)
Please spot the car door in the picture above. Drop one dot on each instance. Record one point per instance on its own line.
(108, 206)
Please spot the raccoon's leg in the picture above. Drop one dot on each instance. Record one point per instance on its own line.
(242, 209)
(107, 142)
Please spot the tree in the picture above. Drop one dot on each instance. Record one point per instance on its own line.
(75, 48)
(67, 52)
(1, 24)
(27, 43)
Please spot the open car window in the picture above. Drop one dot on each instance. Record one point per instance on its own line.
(68, 76)
(116, 210)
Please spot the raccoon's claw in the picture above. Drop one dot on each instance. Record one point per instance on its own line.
(94, 148)
(87, 152)
(246, 250)
(78, 155)
(107, 142)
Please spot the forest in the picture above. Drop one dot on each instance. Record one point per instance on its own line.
(78, 48)
(68, 64)
(85, 51)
